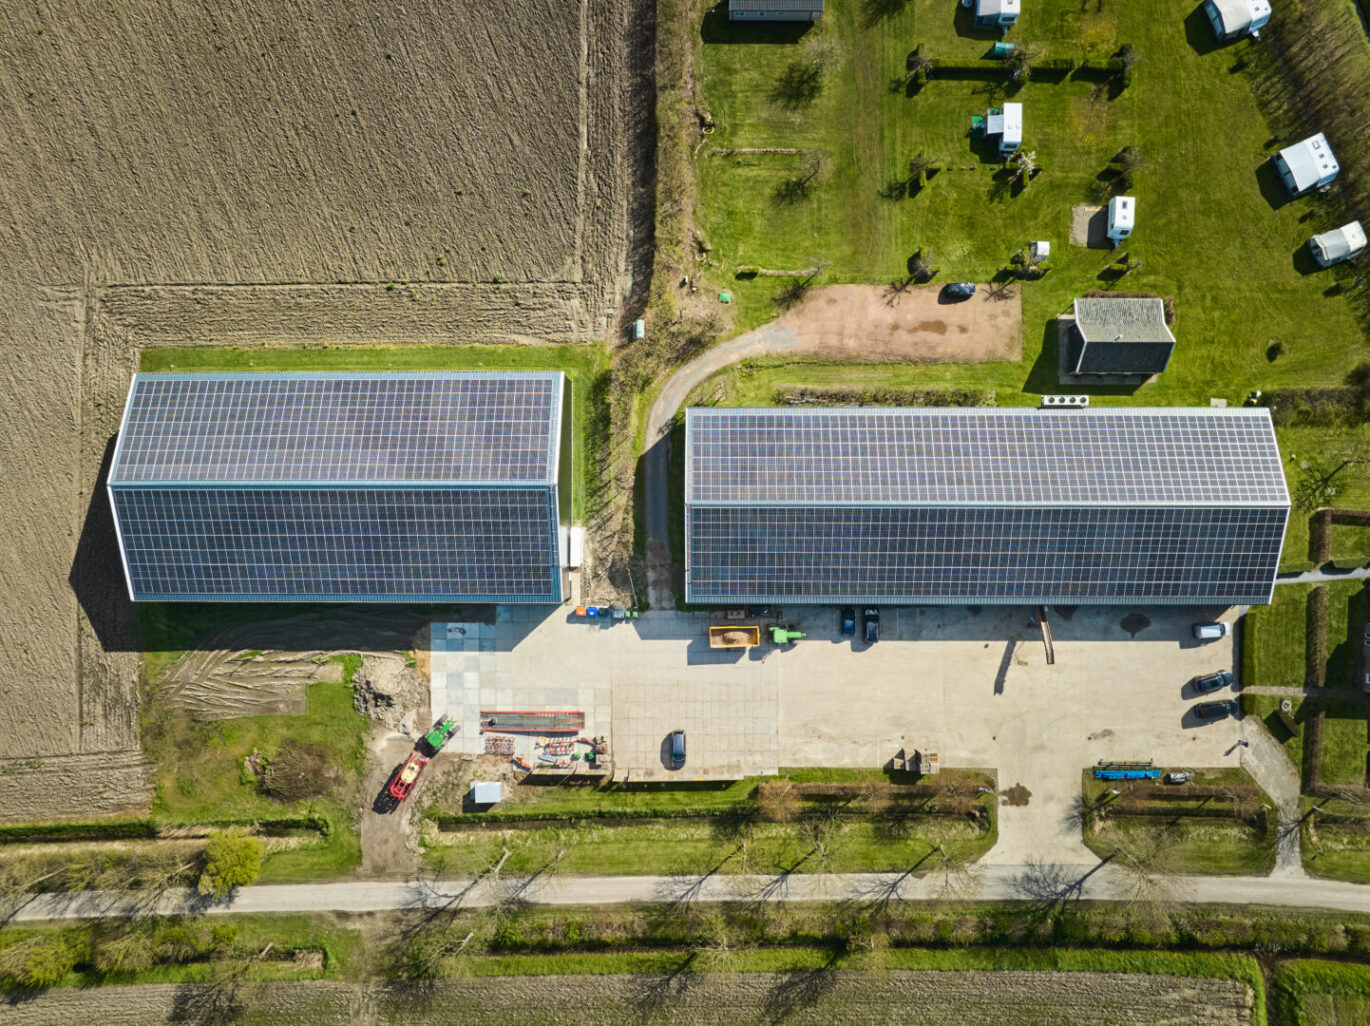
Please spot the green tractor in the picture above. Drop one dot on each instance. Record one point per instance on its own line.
(784, 635)
(441, 734)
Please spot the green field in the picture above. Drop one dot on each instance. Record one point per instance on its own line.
(1206, 234)
(200, 777)
(1183, 842)
(1276, 636)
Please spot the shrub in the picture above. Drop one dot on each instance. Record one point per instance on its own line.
(232, 860)
(299, 770)
(39, 963)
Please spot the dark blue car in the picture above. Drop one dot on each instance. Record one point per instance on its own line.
(848, 621)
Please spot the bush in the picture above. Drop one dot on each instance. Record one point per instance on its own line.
(39, 963)
(299, 770)
(232, 860)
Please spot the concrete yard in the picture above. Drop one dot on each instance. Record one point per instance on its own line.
(971, 685)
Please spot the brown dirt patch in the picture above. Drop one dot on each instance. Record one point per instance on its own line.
(1017, 796)
(722, 999)
(876, 324)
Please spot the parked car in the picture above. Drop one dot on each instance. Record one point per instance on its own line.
(1214, 710)
(959, 289)
(677, 749)
(848, 621)
(1212, 681)
(1178, 777)
(762, 611)
(871, 627)
(1212, 631)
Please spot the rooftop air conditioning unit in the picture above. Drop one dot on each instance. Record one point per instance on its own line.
(1075, 402)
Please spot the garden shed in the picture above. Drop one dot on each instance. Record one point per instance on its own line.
(1007, 126)
(996, 13)
(1339, 244)
(1307, 165)
(1233, 18)
(1119, 336)
(775, 10)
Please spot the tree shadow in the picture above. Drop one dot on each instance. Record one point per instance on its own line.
(799, 85)
(800, 990)
(876, 11)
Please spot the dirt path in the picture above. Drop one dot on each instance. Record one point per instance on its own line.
(720, 999)
(861, 323)
(389, 846)
(1269, 765)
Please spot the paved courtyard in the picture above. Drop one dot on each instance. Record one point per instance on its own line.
(972, 685)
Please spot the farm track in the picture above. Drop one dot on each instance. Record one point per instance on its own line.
(183, 180)
(1042, 998)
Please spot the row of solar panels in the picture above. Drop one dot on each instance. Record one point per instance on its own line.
(451, 487)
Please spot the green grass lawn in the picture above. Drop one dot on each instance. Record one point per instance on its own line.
(1344, 743)
(1186, 843)
(1309, 992)
(585, 365)
(673, 847)
(1206, 233)
(200, 778)
(1275, 636)
(710, 836)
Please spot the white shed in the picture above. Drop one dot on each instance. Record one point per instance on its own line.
(1307, 165)
(486, 792)
(1339, 244)
(1233, 18)
(1007, 126)
(1122, 215)
(996, 13)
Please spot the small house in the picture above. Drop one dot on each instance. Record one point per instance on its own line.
(1119, 336)
(1339, 244)
(1307, 165)
(775, 10)
(1233, 18)
(1006, 125)
(996, 13)
(1122, 214)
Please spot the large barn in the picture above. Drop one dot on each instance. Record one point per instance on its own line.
(343, 487)
(982, 506)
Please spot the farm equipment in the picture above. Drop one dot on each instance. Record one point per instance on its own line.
(404, 781)
(785, 635)
(734, 637)
(495, 745)
(440, 735)
(520, 722)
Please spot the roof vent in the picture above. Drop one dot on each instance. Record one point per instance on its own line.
(1075, 402)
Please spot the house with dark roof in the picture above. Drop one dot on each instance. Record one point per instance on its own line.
(775, 10)
(1119, 336)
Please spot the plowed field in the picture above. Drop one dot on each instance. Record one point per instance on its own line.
(264, 171)
(801, 999)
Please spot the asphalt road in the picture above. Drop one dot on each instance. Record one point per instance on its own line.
(1043, 884)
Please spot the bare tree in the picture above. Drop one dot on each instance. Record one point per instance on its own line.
(952, 874)
(1319, 472)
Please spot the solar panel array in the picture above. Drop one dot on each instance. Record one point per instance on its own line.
(257, 428)
(291, 487)
(982, 506)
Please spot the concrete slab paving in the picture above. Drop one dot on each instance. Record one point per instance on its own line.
(972, 685)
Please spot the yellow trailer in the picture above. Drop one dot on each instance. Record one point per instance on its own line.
(734, 637)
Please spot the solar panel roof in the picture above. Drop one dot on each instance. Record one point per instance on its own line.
(306, 428)
(983, 456)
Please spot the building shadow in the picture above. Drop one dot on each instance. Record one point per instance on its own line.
(97, 572)
(1198, 32)
(717, 27)
(1271, 185)
(967, 29)
(1304, 261)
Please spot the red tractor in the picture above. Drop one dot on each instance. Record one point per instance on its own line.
(407, 776)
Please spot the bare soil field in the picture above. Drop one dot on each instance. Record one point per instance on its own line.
(250, 172)
(819, 998)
